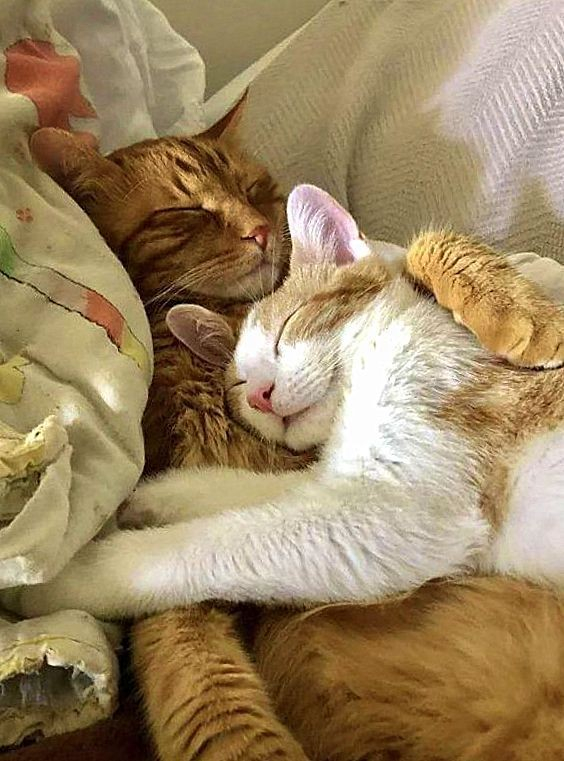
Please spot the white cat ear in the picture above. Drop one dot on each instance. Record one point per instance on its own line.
(205, 333)
(322, 230)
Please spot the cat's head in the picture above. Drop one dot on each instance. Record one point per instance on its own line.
(189, 216)
(284, 380)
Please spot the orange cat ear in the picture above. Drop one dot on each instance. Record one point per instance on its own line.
(205, 333)
(73, 160)
(226, 127)
(54, 150)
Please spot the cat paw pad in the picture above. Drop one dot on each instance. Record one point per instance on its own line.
(532, 340)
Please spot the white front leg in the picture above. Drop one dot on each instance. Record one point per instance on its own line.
(182, 495)
(323, 542)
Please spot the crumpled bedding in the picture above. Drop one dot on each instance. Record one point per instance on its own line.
(75, 345)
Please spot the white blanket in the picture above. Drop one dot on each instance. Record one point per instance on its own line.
(75, 346)
(414, 112)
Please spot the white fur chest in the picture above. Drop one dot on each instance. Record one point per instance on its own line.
(531, 541)
(404, 355)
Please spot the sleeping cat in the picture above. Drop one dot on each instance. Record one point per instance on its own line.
(191, 219)
(471, 670)
(165, 650)
(429, 441)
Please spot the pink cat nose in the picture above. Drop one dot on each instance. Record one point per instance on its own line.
(260, 234)
(259, 399)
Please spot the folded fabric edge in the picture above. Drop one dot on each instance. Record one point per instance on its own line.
(58, 674)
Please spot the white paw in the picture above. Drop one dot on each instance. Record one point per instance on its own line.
(138, 511)
(32, 601)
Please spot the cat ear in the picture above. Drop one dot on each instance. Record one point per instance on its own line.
(52, 148)
(72, 159)
(227, 125)
(205, 333)
(322, 230)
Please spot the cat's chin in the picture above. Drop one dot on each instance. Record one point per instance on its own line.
(310, 428)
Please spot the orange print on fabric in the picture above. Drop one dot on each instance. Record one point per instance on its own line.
(50, 80)
(103, 313)
(24, 215)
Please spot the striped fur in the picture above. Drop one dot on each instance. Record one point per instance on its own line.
(455, 672)
(203, 697)
(177, 212)
(401, 690)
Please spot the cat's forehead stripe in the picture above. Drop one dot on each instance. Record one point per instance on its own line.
(321, 311)
(183, 163)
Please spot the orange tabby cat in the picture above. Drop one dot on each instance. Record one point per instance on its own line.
(454, 672)
(191, 219)
(202, 696)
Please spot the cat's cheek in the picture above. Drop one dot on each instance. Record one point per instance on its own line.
(315, 427)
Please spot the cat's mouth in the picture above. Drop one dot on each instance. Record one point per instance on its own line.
(310, 426)
(300, 431)
(289, 420)
(261, 279)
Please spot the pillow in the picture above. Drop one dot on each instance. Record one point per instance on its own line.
(75, 345)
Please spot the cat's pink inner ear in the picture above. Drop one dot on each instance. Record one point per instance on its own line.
(205, 333)
(53, 149)
(321, 229)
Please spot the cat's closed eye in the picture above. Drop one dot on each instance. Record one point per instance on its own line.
(283, 328)
(172, 209)
(253, 186)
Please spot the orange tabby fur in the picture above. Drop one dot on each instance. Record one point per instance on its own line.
(455, 672)
(486, 296)
(202, 696)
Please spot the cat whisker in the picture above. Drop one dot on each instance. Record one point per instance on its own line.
(186, 282)
(160, 294)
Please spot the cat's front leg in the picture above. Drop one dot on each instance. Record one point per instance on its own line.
(323, 542)
(507, 313)
(182, 495)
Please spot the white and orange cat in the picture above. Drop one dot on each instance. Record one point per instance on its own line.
(438, 457)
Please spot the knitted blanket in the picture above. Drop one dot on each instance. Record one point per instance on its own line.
(411, 113)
